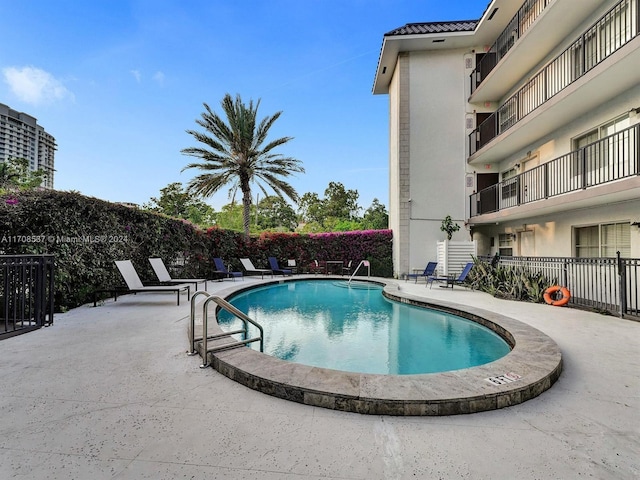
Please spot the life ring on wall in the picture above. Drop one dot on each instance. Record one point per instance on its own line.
(550, 292)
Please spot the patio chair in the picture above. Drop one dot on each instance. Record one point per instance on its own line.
(134, 284)
(163, 275)
(221, 270)
(249, 268)
(429, 271)
(275, 268)
(451, 280)
(317, 267)
(292, 265)
(347, 268)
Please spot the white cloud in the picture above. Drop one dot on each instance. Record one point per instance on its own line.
(35, 86)
(137, 75)
(159, 78)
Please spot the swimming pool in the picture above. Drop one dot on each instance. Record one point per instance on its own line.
(355, 328)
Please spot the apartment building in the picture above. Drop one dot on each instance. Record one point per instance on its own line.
(22, 137)
(523, 125)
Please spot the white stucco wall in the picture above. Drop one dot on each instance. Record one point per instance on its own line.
(553, 236)
(437, 150)
(394, 185)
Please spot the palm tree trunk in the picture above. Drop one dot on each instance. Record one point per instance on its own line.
(246, 210)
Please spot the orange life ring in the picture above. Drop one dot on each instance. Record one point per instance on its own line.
(549, 292)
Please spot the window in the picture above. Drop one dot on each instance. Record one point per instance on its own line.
(603, 240)
(604, 152)
(615, 237)
(508, 114)
(509, 185)
(505, 244)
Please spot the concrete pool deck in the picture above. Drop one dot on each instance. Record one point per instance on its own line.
(108, 392)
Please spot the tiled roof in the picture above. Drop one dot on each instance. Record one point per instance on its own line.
(434, 27)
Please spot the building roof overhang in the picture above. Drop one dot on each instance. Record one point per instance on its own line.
(431, 36)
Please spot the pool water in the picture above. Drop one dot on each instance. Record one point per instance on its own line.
(331, 325)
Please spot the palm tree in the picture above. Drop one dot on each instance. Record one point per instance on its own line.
(234, 155)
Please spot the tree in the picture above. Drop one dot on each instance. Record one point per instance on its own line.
(375, 217)
(337, 211)
(16, 174)
(341, 203)
(234, 154)
(311, 208)
(176, 202)
(273, 213)
(449, 226)
(230, 217)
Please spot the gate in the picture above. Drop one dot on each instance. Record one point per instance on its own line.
(26, 293)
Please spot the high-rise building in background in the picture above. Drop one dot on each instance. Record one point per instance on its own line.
(22, 137)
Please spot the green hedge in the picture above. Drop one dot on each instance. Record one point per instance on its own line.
(87, 234)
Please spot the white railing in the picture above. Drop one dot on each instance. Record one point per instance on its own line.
(363, 263)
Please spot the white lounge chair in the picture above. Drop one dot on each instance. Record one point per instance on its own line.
(134, 284)
(248, 266)
(165, 277)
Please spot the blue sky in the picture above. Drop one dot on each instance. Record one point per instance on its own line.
(117, 83)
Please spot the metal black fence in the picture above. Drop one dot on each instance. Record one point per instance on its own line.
(26, 293)
(605, 284)
(615, 29)
(612, 158)
(519, 24)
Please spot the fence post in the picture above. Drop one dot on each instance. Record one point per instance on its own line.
(637, 131)
(622, 284)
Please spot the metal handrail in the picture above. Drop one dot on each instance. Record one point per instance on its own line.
(366, 264)
(205, 336)
(192, 326)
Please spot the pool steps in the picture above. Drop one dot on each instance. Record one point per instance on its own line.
(204, 336)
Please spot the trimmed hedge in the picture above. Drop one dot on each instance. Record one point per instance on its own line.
(87, 234)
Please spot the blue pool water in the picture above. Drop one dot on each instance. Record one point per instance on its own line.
(325, 324)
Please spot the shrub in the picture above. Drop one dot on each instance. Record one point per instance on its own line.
(86, 235)
(507, 281)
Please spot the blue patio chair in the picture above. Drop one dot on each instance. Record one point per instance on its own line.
(221, 270)
(451, 280)
(275, 268)
(428, 272)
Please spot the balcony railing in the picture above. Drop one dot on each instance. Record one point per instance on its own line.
(612, 158)
(26, 293)
(614, 30)
(520, 23)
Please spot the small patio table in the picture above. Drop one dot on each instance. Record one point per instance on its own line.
(334, 265)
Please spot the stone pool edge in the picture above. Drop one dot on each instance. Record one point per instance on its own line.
(535, 360)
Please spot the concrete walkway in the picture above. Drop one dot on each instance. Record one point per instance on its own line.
(108, 392)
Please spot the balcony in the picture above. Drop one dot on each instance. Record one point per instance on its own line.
(564, 86)
(608, 160)
(518, 25)
(539, 29)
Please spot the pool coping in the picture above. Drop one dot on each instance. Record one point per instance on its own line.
(532, 366)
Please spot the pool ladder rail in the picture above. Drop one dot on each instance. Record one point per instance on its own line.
(364, 263)
(205, 349)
